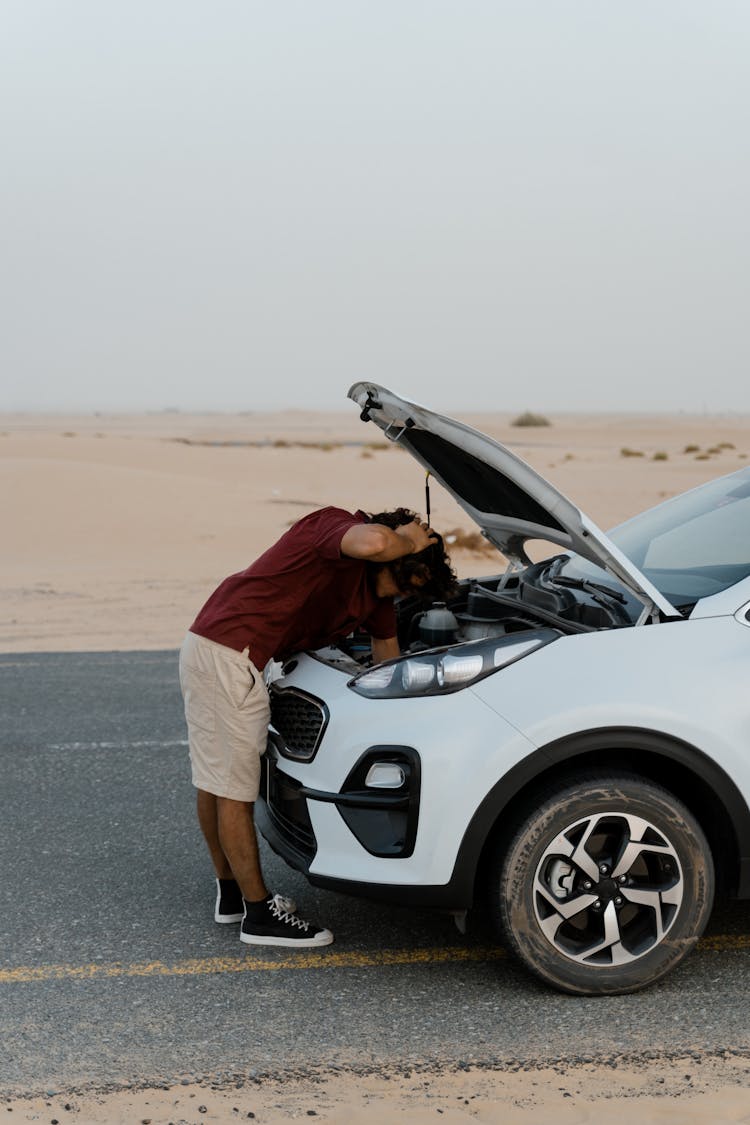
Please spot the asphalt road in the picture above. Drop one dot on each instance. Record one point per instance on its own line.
(113, 972)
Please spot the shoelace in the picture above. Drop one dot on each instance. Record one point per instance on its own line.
(283, 909)
(288, 905)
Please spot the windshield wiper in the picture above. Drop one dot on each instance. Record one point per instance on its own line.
(592, 588)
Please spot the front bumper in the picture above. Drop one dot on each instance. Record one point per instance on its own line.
(282, 816)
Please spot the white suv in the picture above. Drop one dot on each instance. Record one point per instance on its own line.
(567, 738)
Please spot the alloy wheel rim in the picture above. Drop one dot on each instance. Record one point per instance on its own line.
(608, 889)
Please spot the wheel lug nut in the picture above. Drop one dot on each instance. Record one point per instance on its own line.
(618, 901)
(587, 885)
(603, 868)
(596, 905)
(622, 879)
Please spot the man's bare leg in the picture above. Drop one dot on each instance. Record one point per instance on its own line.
(229, 831)
(239, 846)
(208, 818)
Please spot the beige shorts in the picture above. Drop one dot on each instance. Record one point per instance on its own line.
(227, 712)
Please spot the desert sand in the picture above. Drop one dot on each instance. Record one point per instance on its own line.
(679, 1091)
(115, 530)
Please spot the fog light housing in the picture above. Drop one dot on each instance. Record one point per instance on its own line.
(379, 800)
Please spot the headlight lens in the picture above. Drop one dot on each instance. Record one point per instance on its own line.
(417, 675)
(443, 670)
(455, 669)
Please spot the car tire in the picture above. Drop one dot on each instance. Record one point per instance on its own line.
(605, 886)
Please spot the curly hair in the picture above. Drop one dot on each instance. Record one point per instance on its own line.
(431, 566)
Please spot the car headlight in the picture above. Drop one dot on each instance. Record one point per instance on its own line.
(442, 670)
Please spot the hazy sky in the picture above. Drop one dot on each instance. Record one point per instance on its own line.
(233, 204)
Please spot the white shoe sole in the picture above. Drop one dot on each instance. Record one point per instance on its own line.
(324, 937)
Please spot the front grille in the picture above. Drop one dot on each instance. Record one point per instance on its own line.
(300, 720)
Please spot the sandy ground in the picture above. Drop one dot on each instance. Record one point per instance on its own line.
(115, 530)
(686, 1091)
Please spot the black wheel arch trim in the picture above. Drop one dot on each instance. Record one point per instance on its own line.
(582, 745)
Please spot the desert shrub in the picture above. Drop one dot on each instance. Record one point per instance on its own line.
(726, 445)
(528, 418)
(462, 540)
(660, 455)
(703, 457)
(691, 448)
(626, 452)
(714, 449)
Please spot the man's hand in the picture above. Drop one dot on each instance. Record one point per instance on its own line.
(419, 534)
(377, 543)
(386, 649)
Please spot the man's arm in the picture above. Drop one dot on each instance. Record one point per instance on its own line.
(376, 543)
(385, 649)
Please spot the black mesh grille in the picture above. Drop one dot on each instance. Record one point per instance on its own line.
(288, 810)
(299, 720)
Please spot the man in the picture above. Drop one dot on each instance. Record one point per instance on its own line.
(332, 572)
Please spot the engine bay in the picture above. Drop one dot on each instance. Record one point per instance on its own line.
(490, 606)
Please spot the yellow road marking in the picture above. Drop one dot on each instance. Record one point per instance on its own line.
(724, 943)
(248, 963)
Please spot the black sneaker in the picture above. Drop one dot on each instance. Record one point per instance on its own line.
(274, 922)
(229, 904)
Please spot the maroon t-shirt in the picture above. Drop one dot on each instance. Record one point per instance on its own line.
(300, 594)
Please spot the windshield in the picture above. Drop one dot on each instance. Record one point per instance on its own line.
(690, 547)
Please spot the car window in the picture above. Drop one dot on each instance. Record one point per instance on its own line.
(717, 538)
(693, 545)
(696, 544)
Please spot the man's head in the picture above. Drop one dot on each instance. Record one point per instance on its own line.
(428, 574)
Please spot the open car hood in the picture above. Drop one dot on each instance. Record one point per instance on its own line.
(505, 497)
